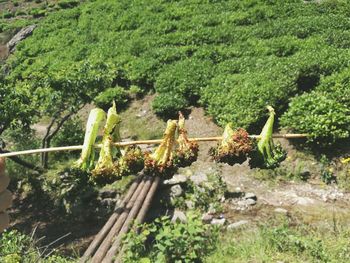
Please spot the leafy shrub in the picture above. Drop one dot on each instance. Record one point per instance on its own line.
(67, 3)
(233, 57)
(323, 113)
(73, 193)
(168, 104)
(173, 241)
(36, 12)
(8, 14)
(105, 98)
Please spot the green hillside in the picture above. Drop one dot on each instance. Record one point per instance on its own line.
(231, 57)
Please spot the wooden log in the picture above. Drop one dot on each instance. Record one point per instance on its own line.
(141, 215)
(146, 204)
(111, 221)
(105, 245)
(132, 215)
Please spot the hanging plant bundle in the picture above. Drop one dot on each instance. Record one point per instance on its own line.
(187, 151)
(161, 162)
(234, 146)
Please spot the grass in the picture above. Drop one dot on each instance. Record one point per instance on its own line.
(139, 124)
(284, 243)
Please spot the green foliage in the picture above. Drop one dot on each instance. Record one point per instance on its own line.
(17, 247)
(272, 243)
(71, 133)
(172, 241)
(324, 113)
(204, 195)
(67, 3)
(72, 192)
(118, 95)
(232, 57)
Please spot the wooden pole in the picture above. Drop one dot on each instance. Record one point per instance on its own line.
(105, 245)
(111, 221)
(121, 144)
(132, 215)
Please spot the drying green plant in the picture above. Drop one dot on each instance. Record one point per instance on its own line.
(267, 154)
(186, 152)
(87, 158)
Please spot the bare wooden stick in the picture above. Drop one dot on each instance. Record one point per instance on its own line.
(111, 221)
(133, 213)
(104, 247)
(121, 144)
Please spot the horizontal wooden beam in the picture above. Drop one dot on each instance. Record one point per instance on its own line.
(123, 144)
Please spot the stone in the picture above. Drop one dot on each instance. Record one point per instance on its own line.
(179, 216)
(281, 210)
(199, 178)
(212, 209)
(108, 202)
(303, 201)
(107, 193)
(246, 202)
(175, 191)
(176, 179)
(206, 218)
(189, 204)
(250, 196)
(22, 34)
(237, 224)
(217, 221)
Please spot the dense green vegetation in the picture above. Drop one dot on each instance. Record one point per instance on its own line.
(232, 57)
(273, 242)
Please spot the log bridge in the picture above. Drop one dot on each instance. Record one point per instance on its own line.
(107, 243)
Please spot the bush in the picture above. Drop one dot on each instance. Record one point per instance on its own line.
(105, 99)
(168, 104)
(67, 3)
(323, 113)
(173, 241)
(234, 57)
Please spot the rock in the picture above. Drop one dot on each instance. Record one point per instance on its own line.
(107, 193)
(199, 178)
(212, 209)
(179, 215)
(281, 210)
(176, 179)
(237, 224)
(303, 200)
(189, 204)
(175, 191)
(250, 196)
(207, 218)
(250, 202)
(246, 202)
(217, 221)
(22, 34)
(108, 202)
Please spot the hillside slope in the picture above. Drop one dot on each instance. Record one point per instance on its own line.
(232, 57)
